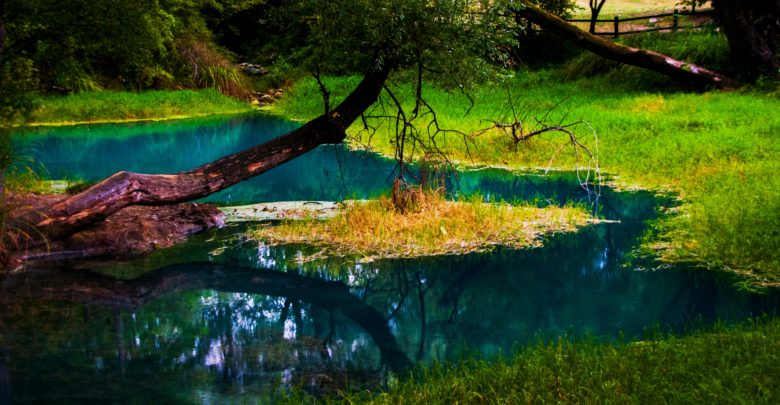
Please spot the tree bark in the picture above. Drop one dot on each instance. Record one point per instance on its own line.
(681, 70)
(127, 188)
(753, 30)
(595, 10)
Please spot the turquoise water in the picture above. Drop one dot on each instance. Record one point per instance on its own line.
(221, 318)
(91, 153)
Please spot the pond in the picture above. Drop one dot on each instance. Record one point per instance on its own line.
(221, 318)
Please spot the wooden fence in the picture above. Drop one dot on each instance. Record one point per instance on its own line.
(674, 27)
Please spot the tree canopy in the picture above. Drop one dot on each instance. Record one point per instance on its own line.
(76, 45)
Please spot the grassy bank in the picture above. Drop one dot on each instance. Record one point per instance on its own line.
(113, 106)
(720, 365)
(718, 150)
(430, 226)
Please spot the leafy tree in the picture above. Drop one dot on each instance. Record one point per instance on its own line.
(71, 42)
(450, 40)
(17, 78)
(561, 8)
(77, 45)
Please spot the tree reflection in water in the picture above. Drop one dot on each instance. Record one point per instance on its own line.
(271, 330)
(229, 328)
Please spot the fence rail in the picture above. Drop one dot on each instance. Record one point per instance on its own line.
(675, 22)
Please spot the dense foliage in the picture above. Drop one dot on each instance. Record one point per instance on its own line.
(77, 45)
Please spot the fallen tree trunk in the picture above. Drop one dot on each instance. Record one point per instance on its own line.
(684, 71)
(131, 232)
(126, 188)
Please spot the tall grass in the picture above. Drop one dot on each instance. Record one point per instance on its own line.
(119, 106)
(201, 66)
(717, 150)
(16, 174)
(71, 74)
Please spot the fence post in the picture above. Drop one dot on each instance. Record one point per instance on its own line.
(693, 7)
(617, 28)
(675, 19)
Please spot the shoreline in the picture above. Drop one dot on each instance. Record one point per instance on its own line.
(133, 120)
(108, 107)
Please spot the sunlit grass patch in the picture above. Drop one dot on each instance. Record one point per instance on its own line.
(117, 106)
(432, 226)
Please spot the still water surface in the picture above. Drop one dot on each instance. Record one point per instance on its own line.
(221, 318)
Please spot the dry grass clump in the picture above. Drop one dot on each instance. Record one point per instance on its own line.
(427, 225)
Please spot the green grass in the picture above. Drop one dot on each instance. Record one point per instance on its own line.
(718, 150)
(720, 365)
(114, 106)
